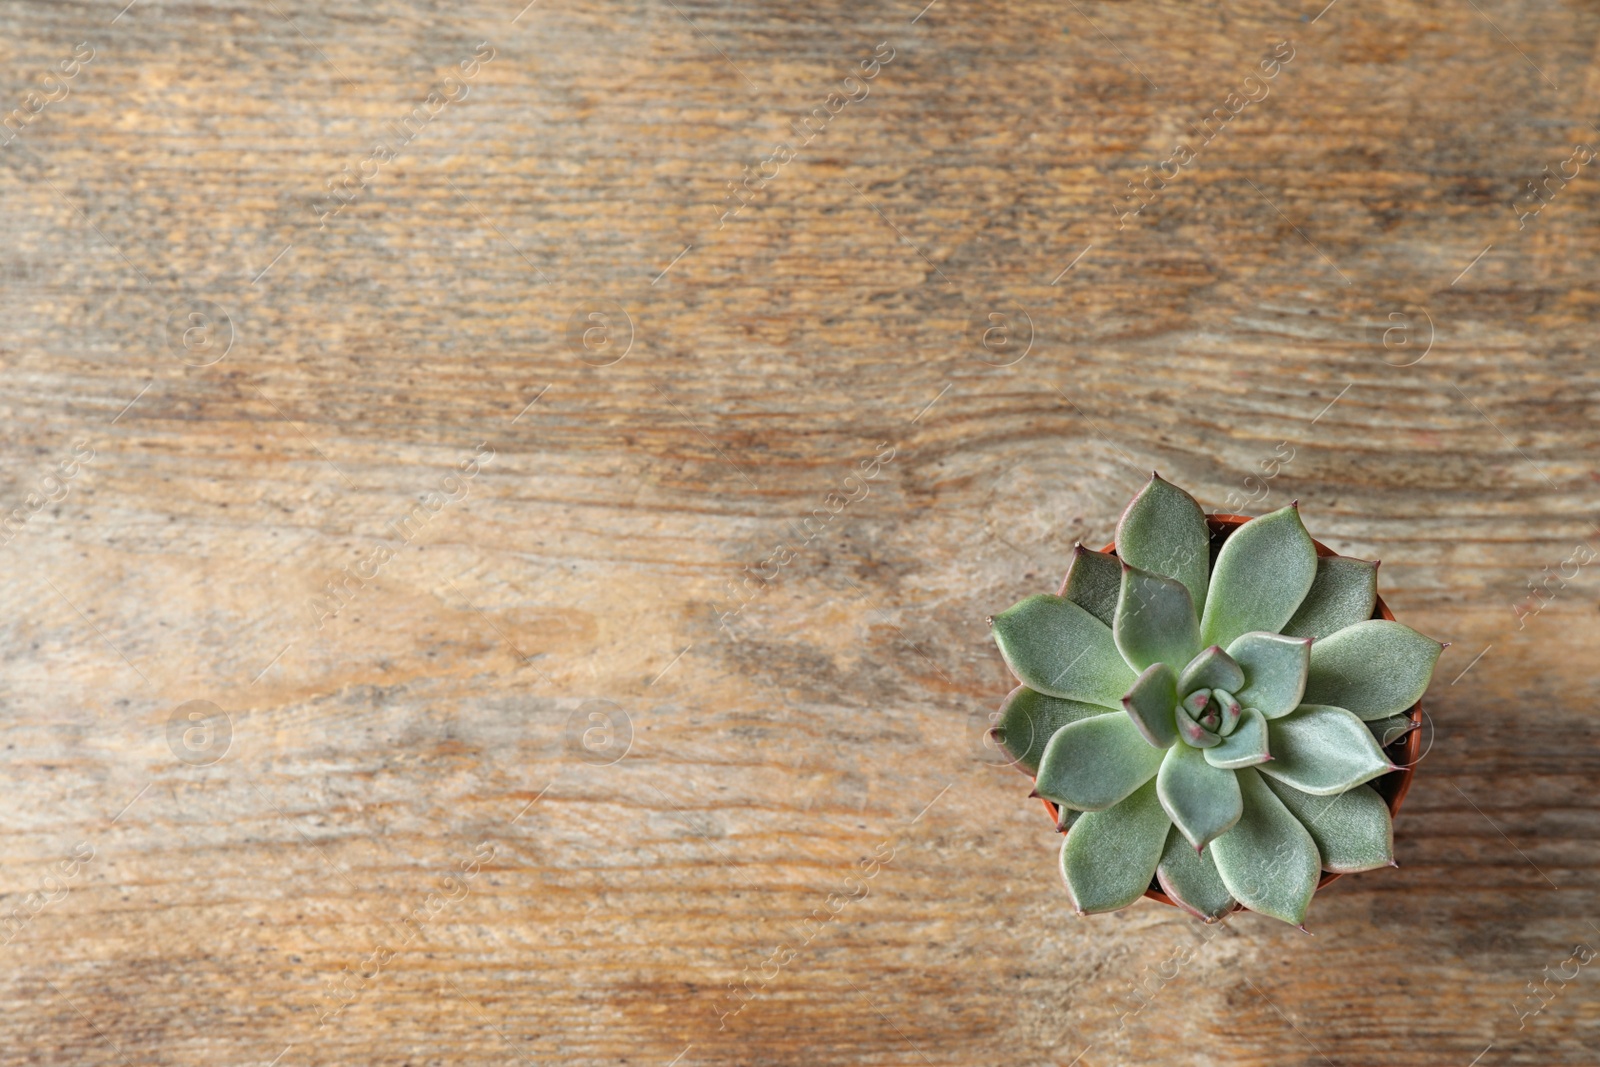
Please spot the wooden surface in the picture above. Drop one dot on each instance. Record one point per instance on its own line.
(175, 900)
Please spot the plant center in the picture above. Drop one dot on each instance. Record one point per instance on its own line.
(1206, 716)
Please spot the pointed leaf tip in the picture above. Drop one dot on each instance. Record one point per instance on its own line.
(1028, 720)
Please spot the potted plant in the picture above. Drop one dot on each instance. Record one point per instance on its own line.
(1220, 713)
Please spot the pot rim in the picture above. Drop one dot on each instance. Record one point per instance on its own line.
(1392, 786)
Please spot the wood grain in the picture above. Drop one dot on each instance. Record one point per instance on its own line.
(763, 730)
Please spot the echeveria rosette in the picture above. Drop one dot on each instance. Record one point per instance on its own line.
(1210, 725)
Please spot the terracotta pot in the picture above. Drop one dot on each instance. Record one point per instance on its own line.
(1404, 753)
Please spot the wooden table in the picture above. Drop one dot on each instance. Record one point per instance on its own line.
(500, 495)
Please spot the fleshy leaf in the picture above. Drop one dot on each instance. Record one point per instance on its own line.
(1028, 720)
(1231, 710)
(1375, 668)
(1268, 861)
(1343, 593)
(1056, 647)
(1065, 817)
(1093, 582)
(1262, 574)
(1094, 763)
(1245, 747)
(1353, 830)
(1322, 750)
(1191, 732)
(1150, 703)
(1164, 531)
(1109, 856)
(1275, 671)
(1391, 728)
(1191, 879)
(1155, 620)
(1211, 669)
(1201, 800)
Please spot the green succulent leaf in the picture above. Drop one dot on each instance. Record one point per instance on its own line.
(1386, 731)
(1164, 531)
(1353, 830)
(1155, 620)
(1375, 668)
(1192, 733)
(1323, 750)
(1211, 669)
(1093, 582)
(1343, 593)
(1201, 800)
(1109, 856)
(1094, 763)
(1150, 703)
(1262, 574)
(1231, 710)
(1190, 878)
(1029, 719)
(1268, 861)
(1056, 647)
(1245, 747)
(1275, 671)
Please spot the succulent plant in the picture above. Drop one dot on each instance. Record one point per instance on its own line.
(1211, 725)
